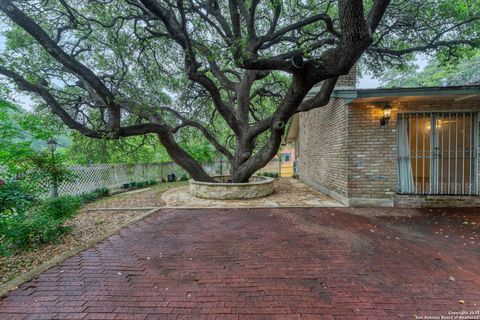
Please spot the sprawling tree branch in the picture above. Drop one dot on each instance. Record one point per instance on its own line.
(70, 63)
(235, 71)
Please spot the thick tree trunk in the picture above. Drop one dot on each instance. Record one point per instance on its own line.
(183, 159)
(253, 164)
(287, 107)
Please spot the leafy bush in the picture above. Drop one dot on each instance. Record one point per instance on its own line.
(40, 224)
(269, 174)
(16, 196)
(183, 178)
(21, 232)
(50, 168)
(140, 184)
(95, 195)
(60, 208)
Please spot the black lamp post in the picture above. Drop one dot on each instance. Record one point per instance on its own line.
(52, 146)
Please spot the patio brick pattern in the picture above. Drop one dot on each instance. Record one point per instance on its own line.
(302, 263)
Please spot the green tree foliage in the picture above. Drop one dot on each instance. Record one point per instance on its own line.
(23, 134)
(15, 144)
(234, 72)
(144, 149)
(46, 167)
(438, 72)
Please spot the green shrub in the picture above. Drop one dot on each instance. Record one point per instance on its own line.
(95, 195)
(89, 197)
(152, 182)
(183, 178)
(141, 184)
(21, 232)
(60, 208)
(39, 225)
(16, 196)
(269, 174)
(104, 192)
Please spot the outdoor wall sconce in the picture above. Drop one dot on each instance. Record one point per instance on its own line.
(387, 113)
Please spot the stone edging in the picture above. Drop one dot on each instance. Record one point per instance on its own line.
(232, 191)
(120, 209)
(263, 180)
(15, 283)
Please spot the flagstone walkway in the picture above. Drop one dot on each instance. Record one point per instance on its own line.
(289, 193)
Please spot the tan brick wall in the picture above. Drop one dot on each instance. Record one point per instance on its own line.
(322, 147)
(372, 153)
(345, 150)
(436, 201)
(348, 81)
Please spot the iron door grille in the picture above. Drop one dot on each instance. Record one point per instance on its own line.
(437, 153)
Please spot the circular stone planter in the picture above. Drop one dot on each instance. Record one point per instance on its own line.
(222, 190)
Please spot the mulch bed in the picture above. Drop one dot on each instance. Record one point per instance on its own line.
(148, 197)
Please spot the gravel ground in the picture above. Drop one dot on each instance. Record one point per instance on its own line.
(86, 226)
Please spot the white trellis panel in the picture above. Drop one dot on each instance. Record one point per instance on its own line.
(111, 176)
(114, 176)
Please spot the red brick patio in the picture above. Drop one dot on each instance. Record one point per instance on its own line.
(240, 264)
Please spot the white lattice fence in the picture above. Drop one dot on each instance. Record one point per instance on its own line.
(114, 176)
(111, 176)
(217, 168)
(273, 166)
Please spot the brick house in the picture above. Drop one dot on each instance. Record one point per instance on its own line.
(425, 154)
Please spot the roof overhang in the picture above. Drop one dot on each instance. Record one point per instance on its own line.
(460, 93)
(469, 93)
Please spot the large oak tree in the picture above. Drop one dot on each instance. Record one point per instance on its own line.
(233, 70)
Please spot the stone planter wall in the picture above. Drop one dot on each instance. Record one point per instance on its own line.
(255, 188)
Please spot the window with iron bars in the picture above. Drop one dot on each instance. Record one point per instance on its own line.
(437, 153)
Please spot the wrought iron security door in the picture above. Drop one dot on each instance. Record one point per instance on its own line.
(437, 153)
